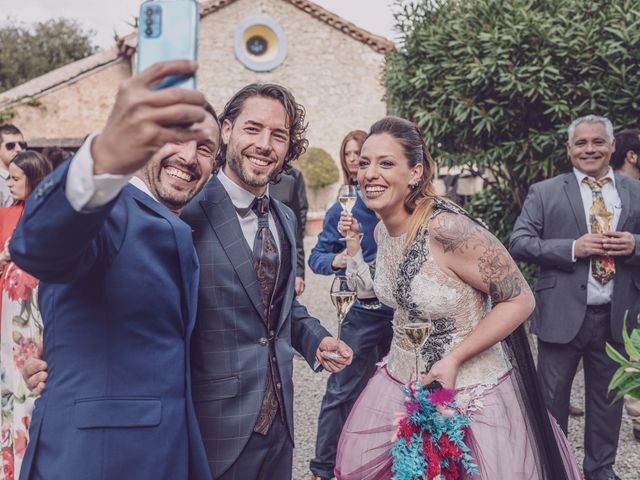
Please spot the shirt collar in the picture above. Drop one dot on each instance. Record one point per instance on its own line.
(240, 197)
(140, 185)
(4, 173)
(580, 176)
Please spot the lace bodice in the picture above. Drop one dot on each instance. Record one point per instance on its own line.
(413, 284)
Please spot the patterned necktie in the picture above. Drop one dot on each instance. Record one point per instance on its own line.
(602, 268)
(265, 252)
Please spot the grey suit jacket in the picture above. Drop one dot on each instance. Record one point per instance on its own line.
(552, 218)
(230, 341)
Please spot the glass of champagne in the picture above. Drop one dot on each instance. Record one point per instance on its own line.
(343, 296)
(347, 196)
(417, 333)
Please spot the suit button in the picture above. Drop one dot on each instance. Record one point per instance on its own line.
(273, 358)
(263, 341)
(279, 385)
(583, 287)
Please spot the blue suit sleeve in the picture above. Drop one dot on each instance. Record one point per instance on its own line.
(54, 242)
(306, 333)
(328, 244)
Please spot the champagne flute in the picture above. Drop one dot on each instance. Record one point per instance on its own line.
(343, 296)
(347, 196)
(417, 333)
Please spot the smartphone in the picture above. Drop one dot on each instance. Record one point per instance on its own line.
(168, 30)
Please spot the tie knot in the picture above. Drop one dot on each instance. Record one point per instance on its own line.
(596, 185)
(260, 206)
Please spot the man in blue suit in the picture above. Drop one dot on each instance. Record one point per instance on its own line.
(118, 291)
(249, 322)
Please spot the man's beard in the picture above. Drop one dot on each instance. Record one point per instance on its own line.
(235, 161)
(172, 199)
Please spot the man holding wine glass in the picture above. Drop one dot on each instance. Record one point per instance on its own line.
(582, 229)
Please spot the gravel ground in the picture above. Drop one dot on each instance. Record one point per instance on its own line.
(310, 389)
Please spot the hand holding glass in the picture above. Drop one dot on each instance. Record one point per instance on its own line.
(343, 296)
(417, 334)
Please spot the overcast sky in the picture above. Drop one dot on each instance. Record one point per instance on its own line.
(108, 16)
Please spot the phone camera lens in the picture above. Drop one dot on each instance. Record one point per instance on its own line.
(149, 21)
(148, 31)
(149, 11)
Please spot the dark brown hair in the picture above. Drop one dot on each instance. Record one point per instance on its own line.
(295, 116)
(358, 136)
(8, 129)
(56, 156)
(419, 201)
(34, 166)
(626, 141)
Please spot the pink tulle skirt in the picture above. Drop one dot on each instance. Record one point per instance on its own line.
(500, 441)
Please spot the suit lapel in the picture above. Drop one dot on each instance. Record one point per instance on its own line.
(189, 268)
(223, 219)
(572, 190)
(287, 226)
(625, 199)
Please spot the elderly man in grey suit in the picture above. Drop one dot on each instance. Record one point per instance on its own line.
(248, 321)
(582, 229)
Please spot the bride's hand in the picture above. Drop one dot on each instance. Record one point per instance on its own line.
(348, 226)
(443, 371)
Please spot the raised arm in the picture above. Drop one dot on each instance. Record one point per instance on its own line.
(467, 251)
(57, 238)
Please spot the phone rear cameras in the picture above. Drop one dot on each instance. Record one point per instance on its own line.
(152, 21)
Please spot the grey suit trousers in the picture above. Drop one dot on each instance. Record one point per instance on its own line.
(557, 364)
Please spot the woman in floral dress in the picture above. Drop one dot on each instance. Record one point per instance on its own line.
(21, 325)
(437, 265)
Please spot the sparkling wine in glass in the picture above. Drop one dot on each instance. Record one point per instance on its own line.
(417, 333)
(343, 296)
(347, 196)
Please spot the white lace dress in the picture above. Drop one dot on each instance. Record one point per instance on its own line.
(410, 281)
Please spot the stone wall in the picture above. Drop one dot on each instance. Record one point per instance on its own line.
(337, 78)
(76, 109)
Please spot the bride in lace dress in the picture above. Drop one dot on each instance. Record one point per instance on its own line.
(435, 264)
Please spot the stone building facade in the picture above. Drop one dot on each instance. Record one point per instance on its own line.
(332, 66)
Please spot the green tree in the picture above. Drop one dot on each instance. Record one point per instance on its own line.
(28, 51)
(318, 168)
(493, 84)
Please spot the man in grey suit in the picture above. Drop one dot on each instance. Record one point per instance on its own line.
(248, 321)
(582, 229)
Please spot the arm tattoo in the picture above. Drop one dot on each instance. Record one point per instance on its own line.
(455, 235)
(496, 267)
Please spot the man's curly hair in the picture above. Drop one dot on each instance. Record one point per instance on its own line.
(295, 116)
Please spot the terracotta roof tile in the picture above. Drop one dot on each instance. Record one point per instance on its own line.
(58, 76)
(127, 45)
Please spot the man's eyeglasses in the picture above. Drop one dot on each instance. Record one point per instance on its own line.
(11, 145)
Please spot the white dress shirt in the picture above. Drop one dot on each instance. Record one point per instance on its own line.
(598, 294)
(242, 198)
(86, 190)
(5, 196)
